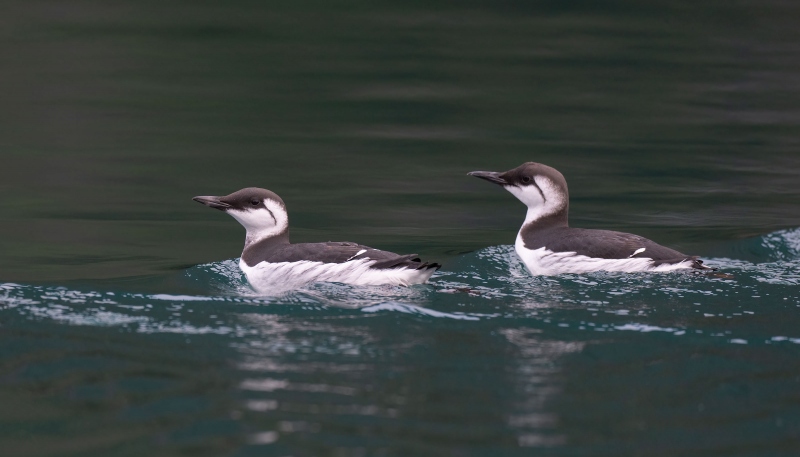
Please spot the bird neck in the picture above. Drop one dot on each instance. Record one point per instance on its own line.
(256, 251)
(542, 217)
(252, 239)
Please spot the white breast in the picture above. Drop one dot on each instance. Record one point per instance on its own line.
(277, 277)
(545, 262)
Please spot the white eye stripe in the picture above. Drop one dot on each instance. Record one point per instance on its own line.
(540, 190)
(262, 222)
(541, 196)
(273, 216)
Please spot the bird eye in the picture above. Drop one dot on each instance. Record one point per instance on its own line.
(254, 201)
(526, 179)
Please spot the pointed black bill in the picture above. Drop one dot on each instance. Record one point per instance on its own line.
(491, 176)
(213, 202)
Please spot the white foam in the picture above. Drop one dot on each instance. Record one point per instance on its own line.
(168, 297)
(411, 309)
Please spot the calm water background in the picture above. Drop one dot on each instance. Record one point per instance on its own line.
(126, 328)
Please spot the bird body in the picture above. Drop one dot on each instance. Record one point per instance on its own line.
(272, 263)
(547, 245)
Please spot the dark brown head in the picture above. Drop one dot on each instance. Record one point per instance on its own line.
(541, 188)
(262, 213)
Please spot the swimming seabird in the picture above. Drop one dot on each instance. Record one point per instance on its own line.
(271, 262)
(547, 244)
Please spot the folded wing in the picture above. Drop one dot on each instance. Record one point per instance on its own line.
(340, 252)
(607, 244)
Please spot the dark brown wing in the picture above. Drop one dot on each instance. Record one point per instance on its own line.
(606, 244)
(340, 252)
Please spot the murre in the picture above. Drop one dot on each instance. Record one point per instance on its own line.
(547, 244)
(271, 263)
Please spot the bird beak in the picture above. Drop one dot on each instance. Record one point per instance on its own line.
(491, 176)
(213, 202)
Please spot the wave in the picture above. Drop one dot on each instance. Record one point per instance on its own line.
(487, 285)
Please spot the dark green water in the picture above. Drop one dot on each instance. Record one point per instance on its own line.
(126, 328)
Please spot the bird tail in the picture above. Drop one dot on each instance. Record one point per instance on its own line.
(698, 264)
(429, 265)
(408, 261)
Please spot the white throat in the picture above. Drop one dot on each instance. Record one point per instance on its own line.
(551, 200)
(262, 223)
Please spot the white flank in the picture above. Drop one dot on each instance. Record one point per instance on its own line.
(268, 277)
(545, 262)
